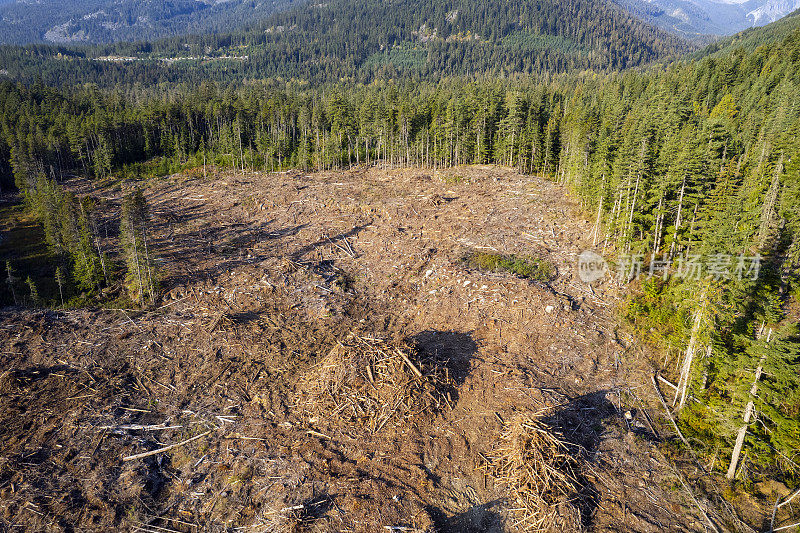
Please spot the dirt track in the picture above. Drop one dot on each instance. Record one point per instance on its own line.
(263, 275)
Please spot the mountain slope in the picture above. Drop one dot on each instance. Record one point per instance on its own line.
(515, 35)
(104, 21)
(698, 19)
(367, 39)
(752, 38)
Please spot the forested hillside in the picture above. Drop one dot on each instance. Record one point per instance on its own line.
(103, 21)
(698, 158)
(754, 37)
(362, 41)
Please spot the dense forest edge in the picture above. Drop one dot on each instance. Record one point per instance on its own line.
(697, 161)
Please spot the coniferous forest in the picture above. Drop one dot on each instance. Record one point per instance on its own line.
(363, 41)
(693, 156)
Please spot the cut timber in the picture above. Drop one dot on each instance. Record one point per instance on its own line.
(165, 448)
(407, 361)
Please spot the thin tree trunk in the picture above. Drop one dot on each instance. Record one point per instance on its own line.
(659, 221)
(683, 382)
(748, 413)
(596, 230)
(678, 219)
(138, 269)
(150, 287)
(241, 152)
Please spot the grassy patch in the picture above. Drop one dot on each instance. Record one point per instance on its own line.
(522, 266)
(455, 179)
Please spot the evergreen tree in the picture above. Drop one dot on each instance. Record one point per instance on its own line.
(33, 292)
(140, 277)
(11, 282)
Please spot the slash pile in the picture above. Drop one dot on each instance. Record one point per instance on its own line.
(541, 474)
(369, 382)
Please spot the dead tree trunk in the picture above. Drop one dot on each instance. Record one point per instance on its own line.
(748, 413)
(683, 382)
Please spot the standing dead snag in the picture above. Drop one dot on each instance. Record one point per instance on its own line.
(59, 279)
(11, 280)
(748, 413)
(686, 368)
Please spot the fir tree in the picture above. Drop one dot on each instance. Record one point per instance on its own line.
(140, 277)
(33, 291)
(11, 281)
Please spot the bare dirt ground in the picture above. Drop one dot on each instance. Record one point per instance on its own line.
(263, 275)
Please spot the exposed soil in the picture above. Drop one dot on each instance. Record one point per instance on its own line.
(263, 275)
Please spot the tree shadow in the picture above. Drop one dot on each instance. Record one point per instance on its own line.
(230, 245)
(579, 425)
(316, 507)
(450, 350)
(27, 376)
(477, 519)
(328, 241)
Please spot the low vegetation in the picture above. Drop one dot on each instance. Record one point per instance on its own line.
(523, 266)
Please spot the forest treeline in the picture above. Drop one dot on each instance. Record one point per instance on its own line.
(697, 159)
(367, 40)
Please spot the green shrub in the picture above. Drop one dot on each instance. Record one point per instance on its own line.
(523, 266)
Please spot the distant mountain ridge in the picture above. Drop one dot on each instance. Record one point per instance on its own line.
(364, 40)
(695, 19)
(464, 36)
(107, 21)
(751, 39)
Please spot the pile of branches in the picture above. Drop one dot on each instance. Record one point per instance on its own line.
(541, 473)
(370, 382)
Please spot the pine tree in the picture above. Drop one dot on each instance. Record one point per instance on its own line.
(140, 277)
(11, 281)
(33, 291)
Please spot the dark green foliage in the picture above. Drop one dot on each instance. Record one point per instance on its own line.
(524, 267)
(364, 40)
(33, 292)
(775, 434)
(127, 20)
(72, 243)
